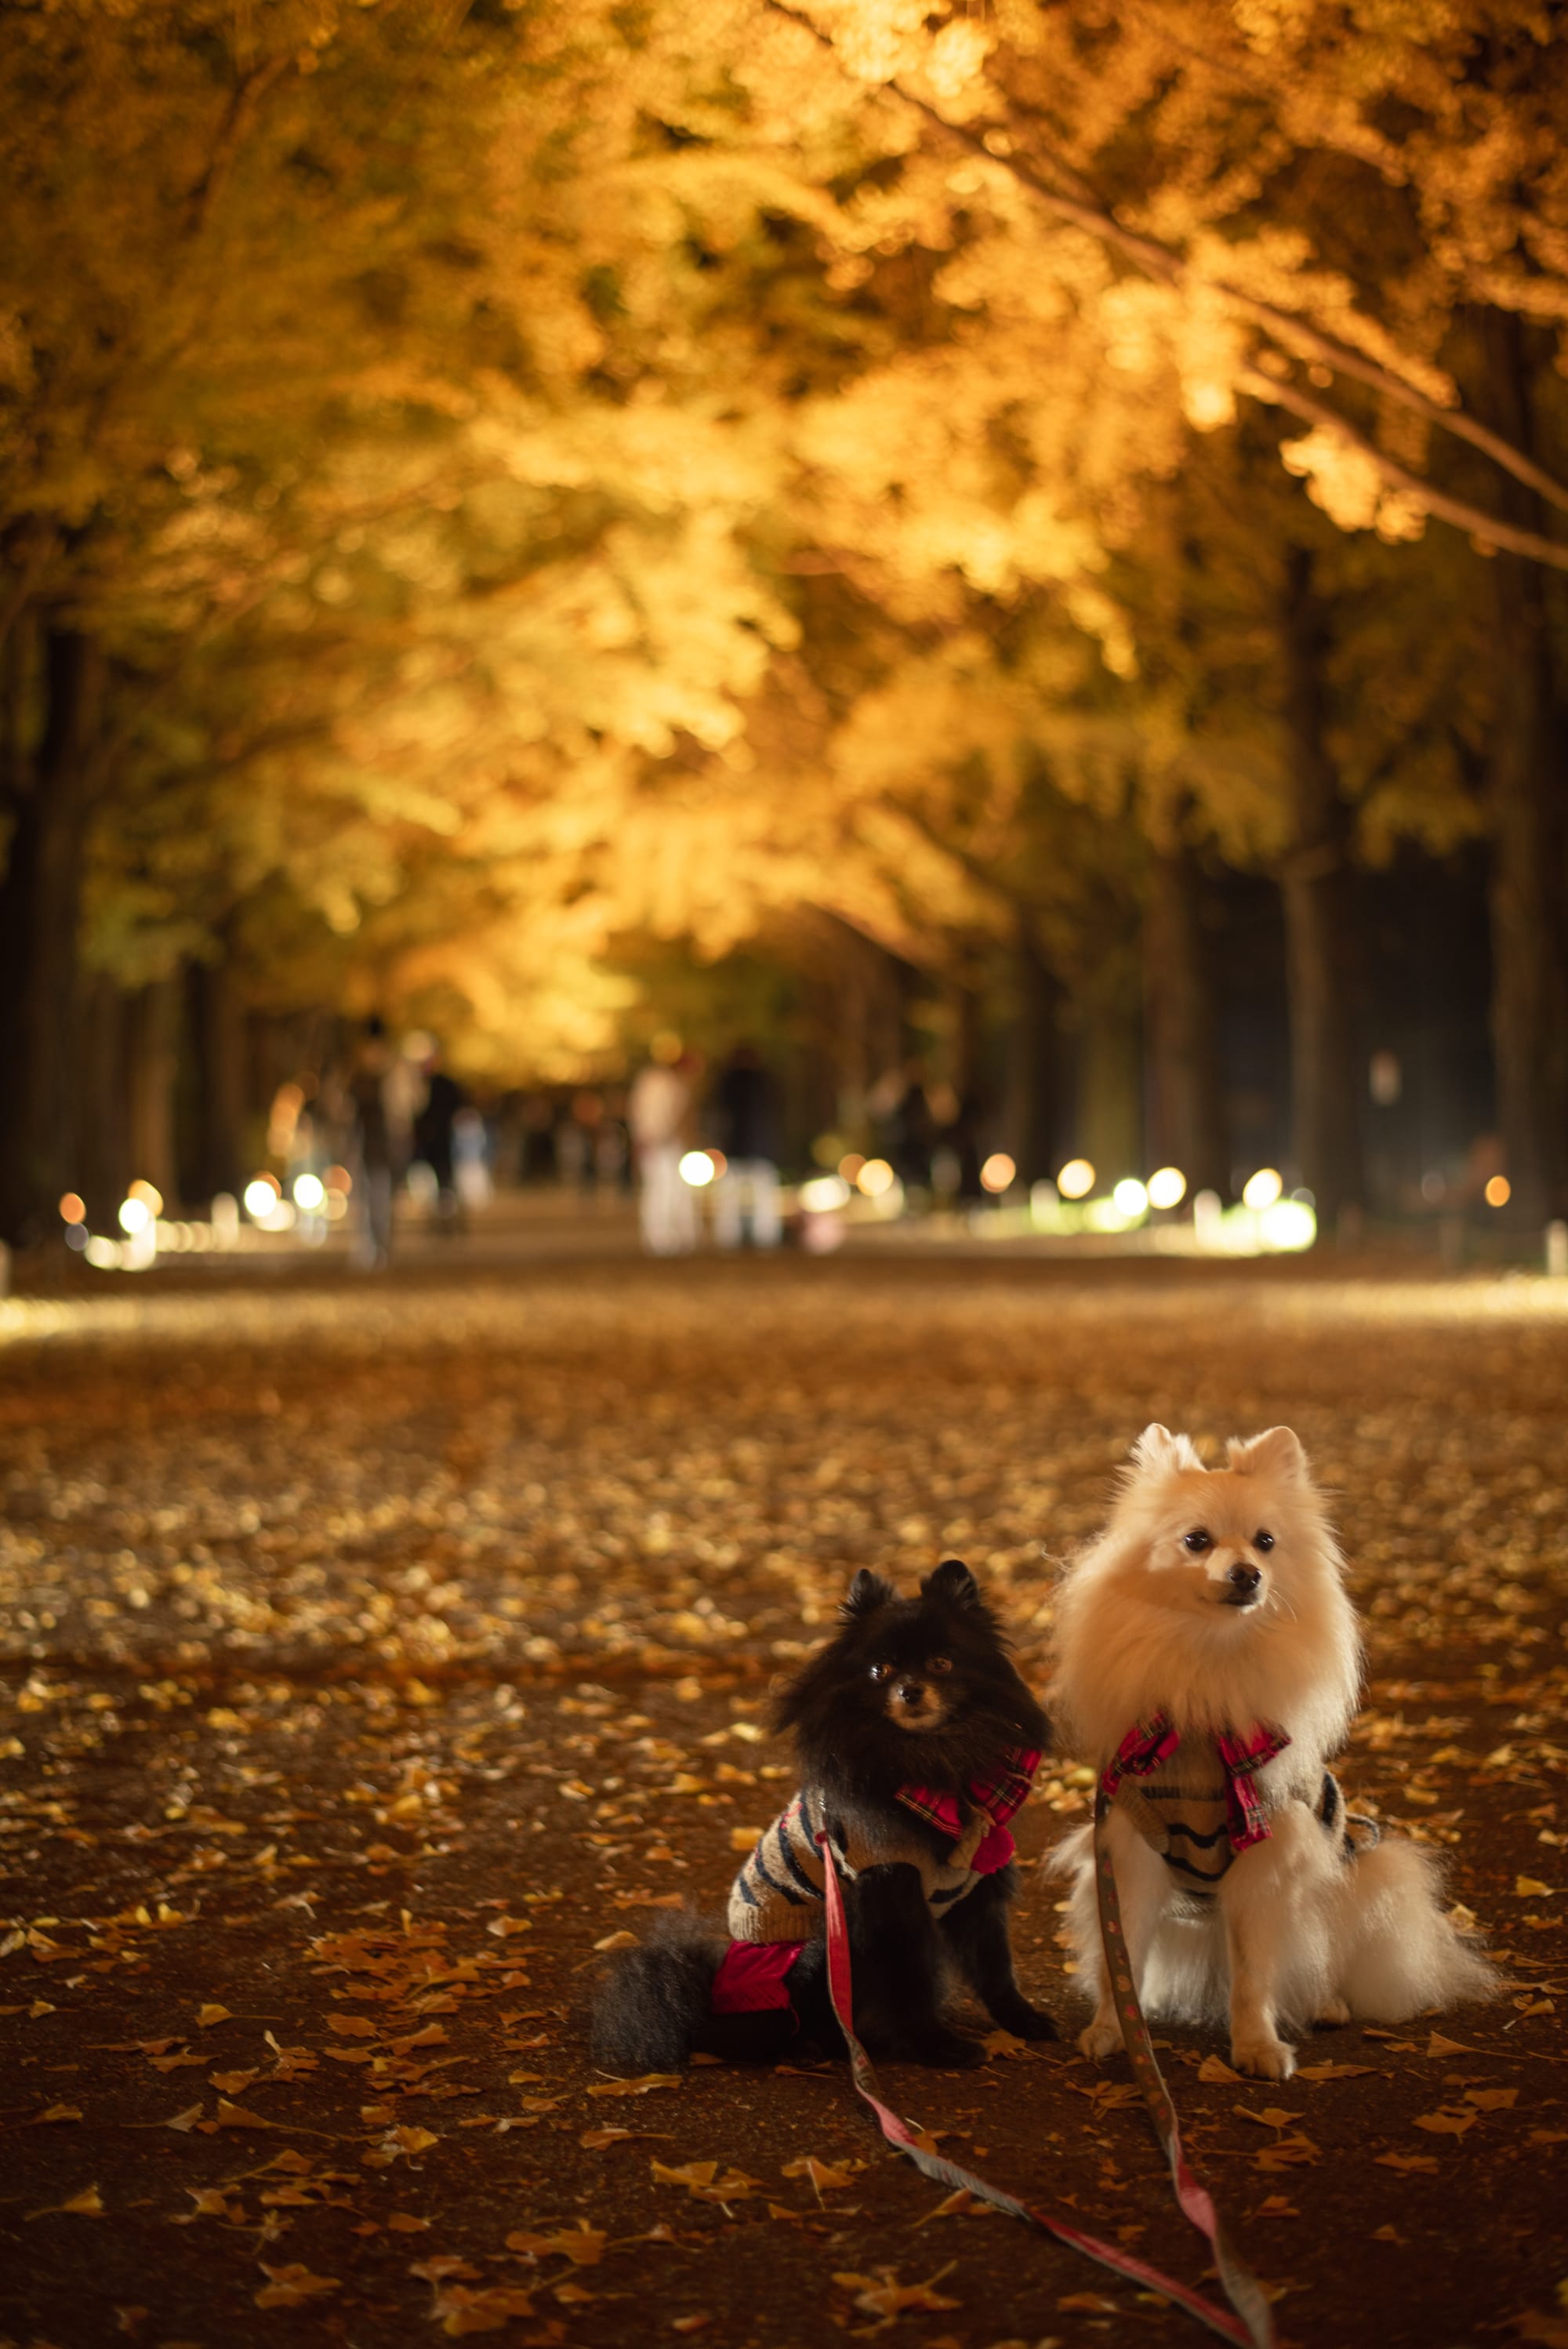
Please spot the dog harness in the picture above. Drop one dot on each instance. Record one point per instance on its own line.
(776, 1903)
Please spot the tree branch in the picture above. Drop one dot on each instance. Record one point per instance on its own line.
(1294, 334)
(1436, 503)
(236, 123)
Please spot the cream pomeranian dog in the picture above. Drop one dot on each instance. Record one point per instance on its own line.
(1209, 1665)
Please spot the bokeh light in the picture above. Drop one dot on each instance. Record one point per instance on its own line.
(998, 1172)
(135, 1215)
(1130, 1196)
(1076, 1180)
(73, 1208)
(875, 1179)
(1262, 1189)
(309, 1193)
(1498, 1191)
(1167, 1188)
(697, 1169)
(823, 1194)
(261, 1195)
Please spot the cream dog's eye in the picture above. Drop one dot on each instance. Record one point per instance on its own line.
(1263, 1541)
(939, 1664)
(1197, 1541)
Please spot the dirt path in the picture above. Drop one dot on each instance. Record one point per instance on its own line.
(372, 1656)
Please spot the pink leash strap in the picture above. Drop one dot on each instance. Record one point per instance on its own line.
(1243, 2289)
(899, 2134)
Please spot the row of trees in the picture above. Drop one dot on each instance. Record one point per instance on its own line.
(482, 486)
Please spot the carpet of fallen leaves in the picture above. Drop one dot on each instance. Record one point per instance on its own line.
(373, 1657)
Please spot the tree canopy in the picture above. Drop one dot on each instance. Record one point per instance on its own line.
(482, 484)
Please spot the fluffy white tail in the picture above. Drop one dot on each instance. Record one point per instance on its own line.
(1395, 1952)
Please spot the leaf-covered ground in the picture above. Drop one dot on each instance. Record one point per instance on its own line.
(373, 1655)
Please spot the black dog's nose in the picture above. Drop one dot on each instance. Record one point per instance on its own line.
(911, 1692)
(1242, 1579)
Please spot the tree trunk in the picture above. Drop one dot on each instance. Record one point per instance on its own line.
(1186, 1090)
(152, 1061)
(40, 907)
(1034, 1061)
(1316, 886)
(1528, 832)
(216, 1154)
(1110, 1063)
(101, 1159)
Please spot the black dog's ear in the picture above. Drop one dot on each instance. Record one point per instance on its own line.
(954, 1582)
(867, 1592)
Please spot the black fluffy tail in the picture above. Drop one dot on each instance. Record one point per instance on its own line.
(651, 2004)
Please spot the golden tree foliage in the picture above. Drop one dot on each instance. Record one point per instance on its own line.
(543, 474)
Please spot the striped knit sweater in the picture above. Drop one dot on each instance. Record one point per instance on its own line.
(777, 1894)
(1196, 1800)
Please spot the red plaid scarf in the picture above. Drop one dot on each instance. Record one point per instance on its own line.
(1148, 1744)
(1005, 1792)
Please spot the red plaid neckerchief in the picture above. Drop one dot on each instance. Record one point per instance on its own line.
(1148, 1744)
(1005, 1791)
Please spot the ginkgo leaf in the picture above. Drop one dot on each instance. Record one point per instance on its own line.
(821, 2173)
(293, 2286)
(583, 2246)
(642, 2086)
(882, 2296)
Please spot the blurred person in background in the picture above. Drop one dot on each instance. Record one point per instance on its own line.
(658, 1112)
(433, 1134)
(588, 1118)
(612, 1150)
(471, 1159)
(745, 1112)
(370, 1148)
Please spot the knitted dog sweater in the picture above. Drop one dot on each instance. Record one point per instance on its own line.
(777, 1895)
(1196, 1800)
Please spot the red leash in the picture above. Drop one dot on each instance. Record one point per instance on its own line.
(899, 2134)
(1243, 2289)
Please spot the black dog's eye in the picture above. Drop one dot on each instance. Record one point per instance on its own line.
(1197, 1541)
(880, 1672)
(939, 1664)
(1263, 1541)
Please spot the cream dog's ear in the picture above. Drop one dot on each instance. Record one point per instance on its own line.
(1157, 1452)
(1276, 1453)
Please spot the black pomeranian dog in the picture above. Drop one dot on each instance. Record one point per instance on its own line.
(917, 1740)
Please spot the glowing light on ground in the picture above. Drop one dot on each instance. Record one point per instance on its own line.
(1262, 1189)
(823, 1194)
(261, 1195)
(1076, 1180)
(1167, 1188)
(309, 1193)
(1130, 1196)
(135, 1215)
(1289, 1224)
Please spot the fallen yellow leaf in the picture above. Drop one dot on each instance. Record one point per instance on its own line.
(293, 2286)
